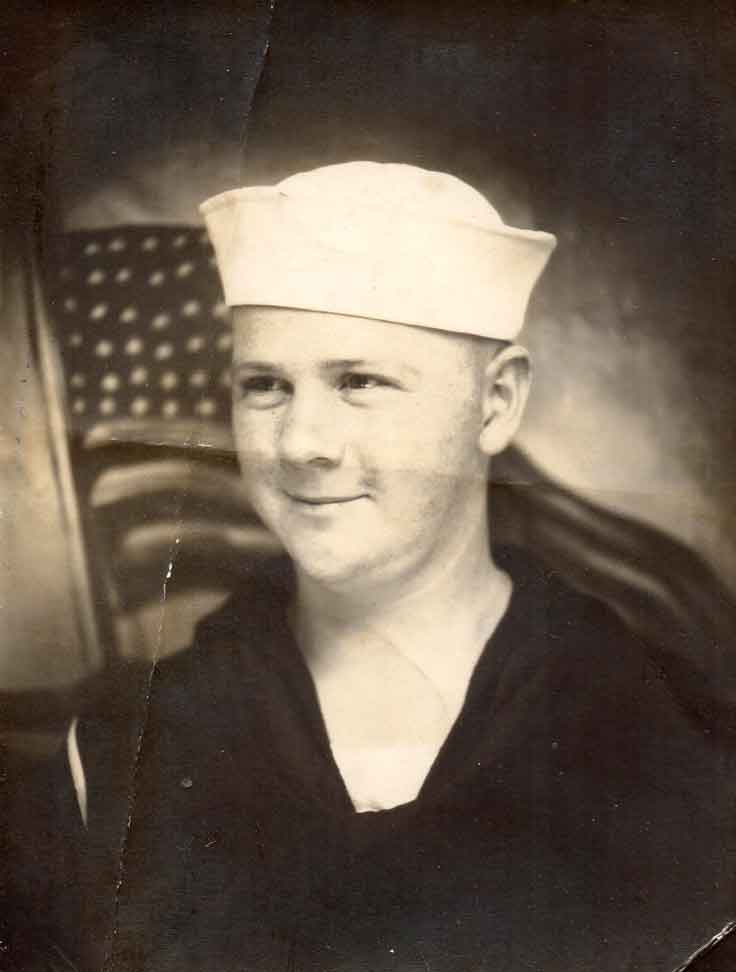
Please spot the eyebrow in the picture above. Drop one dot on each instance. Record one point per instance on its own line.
(254, 365)
(344, 364)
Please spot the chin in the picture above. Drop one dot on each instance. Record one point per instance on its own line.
(324, 553)
(335, 565)
(331, 570)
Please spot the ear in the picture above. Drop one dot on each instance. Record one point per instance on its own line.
(507, 379)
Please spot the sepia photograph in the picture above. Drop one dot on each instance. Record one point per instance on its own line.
(368, 486)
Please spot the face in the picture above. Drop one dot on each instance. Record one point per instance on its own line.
(358, 440)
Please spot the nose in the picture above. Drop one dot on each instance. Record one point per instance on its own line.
(309, 433)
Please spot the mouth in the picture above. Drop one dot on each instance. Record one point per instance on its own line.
(320, 501)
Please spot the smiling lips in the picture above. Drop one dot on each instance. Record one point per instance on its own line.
(317, 501)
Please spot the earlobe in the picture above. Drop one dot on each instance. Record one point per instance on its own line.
(507, 380)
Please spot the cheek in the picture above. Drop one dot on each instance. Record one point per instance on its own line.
(424, 479)
(432, 439)
(254, 436)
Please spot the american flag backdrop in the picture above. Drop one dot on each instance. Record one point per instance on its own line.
(143, 332)
(144, 343)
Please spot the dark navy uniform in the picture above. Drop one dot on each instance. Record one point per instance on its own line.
(579, 815)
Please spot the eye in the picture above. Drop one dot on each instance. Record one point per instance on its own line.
(356, 382)
(262, 391)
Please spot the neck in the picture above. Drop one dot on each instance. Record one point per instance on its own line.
(456, 600)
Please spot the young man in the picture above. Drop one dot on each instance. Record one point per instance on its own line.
(404, 749)
(364, 445)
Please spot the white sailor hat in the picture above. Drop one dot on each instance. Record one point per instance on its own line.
(385, 241)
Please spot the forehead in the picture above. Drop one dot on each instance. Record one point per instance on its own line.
(289, 337)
